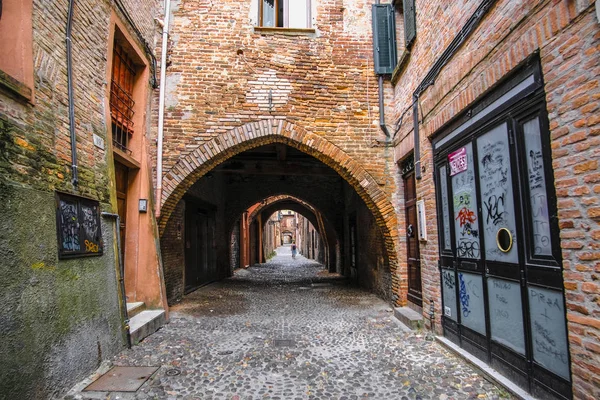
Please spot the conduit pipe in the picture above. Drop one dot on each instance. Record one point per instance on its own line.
(121, 276)
(161, 107)
(75, 175)
(466, 31)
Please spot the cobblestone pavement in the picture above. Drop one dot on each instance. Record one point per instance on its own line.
(289, 330)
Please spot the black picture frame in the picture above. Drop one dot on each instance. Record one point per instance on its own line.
(78, 227)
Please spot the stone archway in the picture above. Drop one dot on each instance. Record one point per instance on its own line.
(210, 154)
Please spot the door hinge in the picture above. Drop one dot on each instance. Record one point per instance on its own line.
(523, 278)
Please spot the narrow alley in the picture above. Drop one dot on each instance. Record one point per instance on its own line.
(288, 329)
(435, 165)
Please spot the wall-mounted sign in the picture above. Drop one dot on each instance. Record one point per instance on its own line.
(78, 226)
(458, 161)
(143, 205)
(98, 142)
(422, 220)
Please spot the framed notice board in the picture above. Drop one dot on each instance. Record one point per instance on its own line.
(78, 227)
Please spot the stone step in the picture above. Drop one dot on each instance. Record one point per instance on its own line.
(134, 308)
(409, 317)
(145, 324)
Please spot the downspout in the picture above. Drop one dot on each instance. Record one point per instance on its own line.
(417, 142)
(75, 178)
(381, 104)
(123, 303)
(382, 109)
(161, 107)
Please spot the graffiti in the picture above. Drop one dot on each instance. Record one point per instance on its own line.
(494, 208)
(90, 222)
(462, 199)
(465, 216)
(468, 248)
(69, 226)
(536, 176)
(464, 296)
(494, 169)
(448, 280)
(542, 298)
(501, 299)
(91, 247)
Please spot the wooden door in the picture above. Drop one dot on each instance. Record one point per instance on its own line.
(197, 250)
(415, 294)
(121, 184)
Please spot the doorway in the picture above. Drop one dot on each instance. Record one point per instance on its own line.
(501, 266)
(122, 185)
(413, 257)
(200, 267)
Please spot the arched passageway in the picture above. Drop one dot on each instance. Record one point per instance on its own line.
(219, 186)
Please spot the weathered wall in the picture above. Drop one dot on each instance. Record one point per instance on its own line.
(60, 317)
(172, 248)
(372, 272)
(567, 35)
(322, 82)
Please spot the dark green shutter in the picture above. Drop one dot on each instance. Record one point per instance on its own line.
(384, 38)
(410, 22)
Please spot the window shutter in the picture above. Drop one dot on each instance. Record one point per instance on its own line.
(410, 22)
(384, 38)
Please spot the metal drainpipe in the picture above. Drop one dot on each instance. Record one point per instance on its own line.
(416, 137)
(161, 107)
(121, 276)
(382, 109)
(75, 177)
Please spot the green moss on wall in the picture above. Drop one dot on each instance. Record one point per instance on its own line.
(49, 304)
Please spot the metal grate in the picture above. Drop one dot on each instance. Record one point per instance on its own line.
(121, 98)
(121, 379)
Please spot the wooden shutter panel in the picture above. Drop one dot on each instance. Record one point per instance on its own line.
(384, 38)
(410, 22)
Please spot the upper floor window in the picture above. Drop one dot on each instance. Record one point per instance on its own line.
(121, 97)
(16, 47)
(284, 14)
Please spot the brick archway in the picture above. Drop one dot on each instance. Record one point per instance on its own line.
(210, 154)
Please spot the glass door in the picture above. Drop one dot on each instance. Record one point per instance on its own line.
(501, 278)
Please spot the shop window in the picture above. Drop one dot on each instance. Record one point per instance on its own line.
(16, 62)
(122, 104)
(293, 14)
(78, 226)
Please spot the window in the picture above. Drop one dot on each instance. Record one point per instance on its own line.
(78, 226)
(121, 98)
(406, 28)
(384, 38)
(16, 62)
(284, 14)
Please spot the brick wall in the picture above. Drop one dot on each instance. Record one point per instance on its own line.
(322, 82)
(567, 35)
(172, 248)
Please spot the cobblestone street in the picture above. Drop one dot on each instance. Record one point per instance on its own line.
(289, 330)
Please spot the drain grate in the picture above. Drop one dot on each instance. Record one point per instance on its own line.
(121, 379)
(173, 372)
(283, 343)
